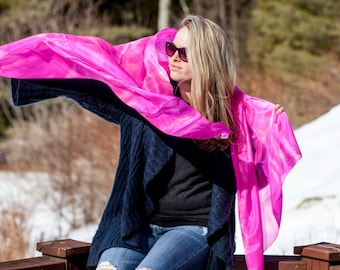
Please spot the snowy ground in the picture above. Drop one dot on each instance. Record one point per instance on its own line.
(311, 211)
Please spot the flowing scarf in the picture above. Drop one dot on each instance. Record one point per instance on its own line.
(265, 149)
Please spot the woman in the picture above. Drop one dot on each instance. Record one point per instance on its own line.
(172, 205)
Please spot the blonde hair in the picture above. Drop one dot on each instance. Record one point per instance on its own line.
(213, 69)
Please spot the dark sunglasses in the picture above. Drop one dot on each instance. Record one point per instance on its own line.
(170, 50)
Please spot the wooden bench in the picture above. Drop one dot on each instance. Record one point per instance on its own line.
(69, 254)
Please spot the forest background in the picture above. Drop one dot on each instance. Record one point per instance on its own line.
(286, 51)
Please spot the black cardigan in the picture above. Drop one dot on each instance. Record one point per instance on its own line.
(144, 153)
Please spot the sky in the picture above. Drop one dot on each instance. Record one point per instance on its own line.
(311, 195)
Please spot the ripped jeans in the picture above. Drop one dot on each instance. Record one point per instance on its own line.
(163, 248)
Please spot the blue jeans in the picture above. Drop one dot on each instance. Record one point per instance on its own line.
(181, 247)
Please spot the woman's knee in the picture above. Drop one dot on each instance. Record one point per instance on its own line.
(106, 266)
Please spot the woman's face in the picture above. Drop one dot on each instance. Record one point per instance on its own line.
(180, 70)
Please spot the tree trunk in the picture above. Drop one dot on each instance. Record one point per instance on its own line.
(163, 14)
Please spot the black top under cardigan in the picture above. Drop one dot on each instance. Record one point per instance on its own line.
(145, 151)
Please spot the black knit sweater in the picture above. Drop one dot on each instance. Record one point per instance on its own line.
(145, 152)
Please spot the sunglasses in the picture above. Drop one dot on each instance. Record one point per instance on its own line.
(170, 50)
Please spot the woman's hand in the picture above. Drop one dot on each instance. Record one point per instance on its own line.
(279, 109)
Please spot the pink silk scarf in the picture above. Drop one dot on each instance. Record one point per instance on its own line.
(265, 149)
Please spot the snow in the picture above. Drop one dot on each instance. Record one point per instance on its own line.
(311, 206)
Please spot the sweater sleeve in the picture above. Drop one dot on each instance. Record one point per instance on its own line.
(92, 95)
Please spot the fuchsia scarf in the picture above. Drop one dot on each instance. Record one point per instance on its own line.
(265, 149)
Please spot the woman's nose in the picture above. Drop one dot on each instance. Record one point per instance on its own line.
(176, 56)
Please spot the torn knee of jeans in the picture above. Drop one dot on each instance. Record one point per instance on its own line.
(143, 268)
(106, 266)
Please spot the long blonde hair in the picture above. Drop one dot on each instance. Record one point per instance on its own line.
(213, 69)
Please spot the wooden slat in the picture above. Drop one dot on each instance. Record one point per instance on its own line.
(36, 263)
(292, 265)
(271, 262)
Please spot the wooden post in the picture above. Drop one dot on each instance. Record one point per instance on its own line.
(74, 253)
(322, 256)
